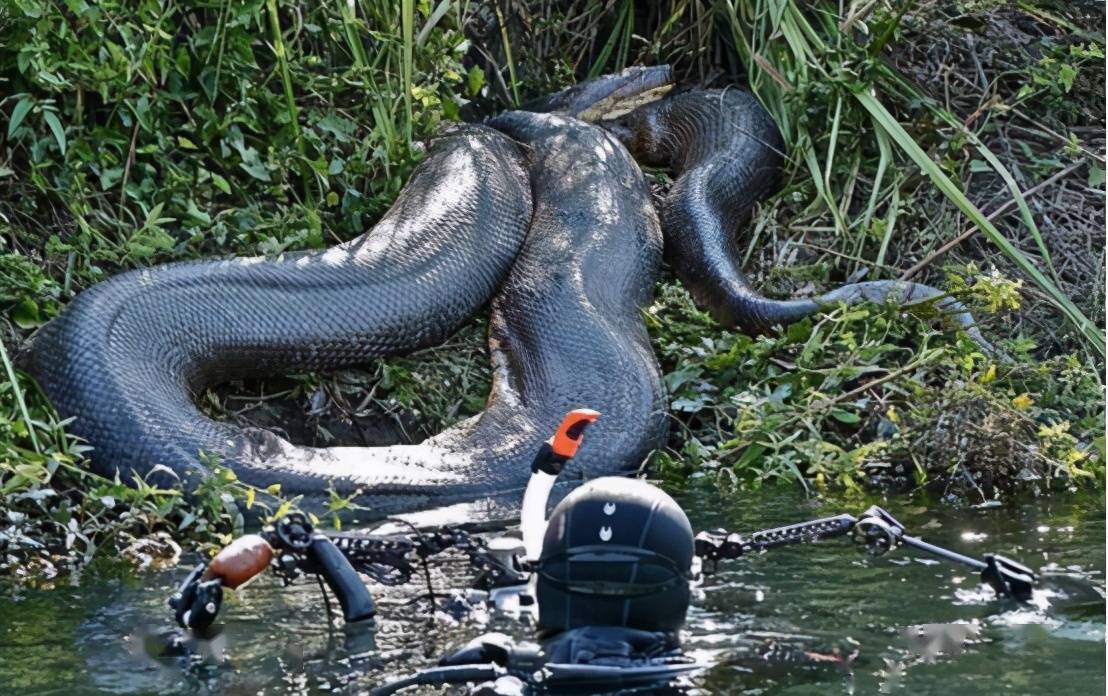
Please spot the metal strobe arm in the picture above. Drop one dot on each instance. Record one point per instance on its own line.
(878, 532)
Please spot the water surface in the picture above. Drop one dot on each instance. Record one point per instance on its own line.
(100, 635)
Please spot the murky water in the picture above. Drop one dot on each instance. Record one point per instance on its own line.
(101, 636)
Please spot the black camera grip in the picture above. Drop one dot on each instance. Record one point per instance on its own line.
(357, 603)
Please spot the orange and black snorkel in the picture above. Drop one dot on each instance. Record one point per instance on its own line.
(567, 438)
(546, 467)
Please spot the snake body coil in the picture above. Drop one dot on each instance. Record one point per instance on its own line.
(544, 214)
(726, 153)
(129, 357)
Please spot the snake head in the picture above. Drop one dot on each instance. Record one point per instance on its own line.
(642, 132)
(608, 96)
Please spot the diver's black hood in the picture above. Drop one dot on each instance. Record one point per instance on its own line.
(617, 552)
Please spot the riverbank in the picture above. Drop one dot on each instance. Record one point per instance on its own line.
(959, 143)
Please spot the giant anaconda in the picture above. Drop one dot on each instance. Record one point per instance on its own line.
(128, 357)
(544, 214)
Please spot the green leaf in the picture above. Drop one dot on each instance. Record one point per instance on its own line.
(208, 81)
(845, 416)
(25, 314)
(340, 128)
(282, 509)
(750, 455)
(186, 521)
(185, 143)
(476, 80)
(197, 214)
(253, 166)
(1096, 176)
(799, 332)
(56, 127)
(688, 405)
(674, 380)
(154, 214)
(110, 177)
(19, 113)
(1066, 75)
(221, 183)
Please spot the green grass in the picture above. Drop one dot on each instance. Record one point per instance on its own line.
(819, 51)
(139, 133)
(136, 133)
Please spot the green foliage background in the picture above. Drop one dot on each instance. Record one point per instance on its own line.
(140, 132)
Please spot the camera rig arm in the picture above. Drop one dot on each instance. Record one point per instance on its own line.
(293, 547)
(877, 532)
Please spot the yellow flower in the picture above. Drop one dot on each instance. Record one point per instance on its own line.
(1055, 431)
(1075, 455)
(1023, 402)
(989, 375)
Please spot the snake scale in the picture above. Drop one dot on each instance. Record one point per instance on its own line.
(540, 213)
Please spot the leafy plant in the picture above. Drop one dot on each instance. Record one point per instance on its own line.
(138, 133)
(859, 396)
(135, 133)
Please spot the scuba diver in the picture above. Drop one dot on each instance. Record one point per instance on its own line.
(606, 578)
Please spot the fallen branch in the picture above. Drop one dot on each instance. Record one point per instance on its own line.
(821, 404)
